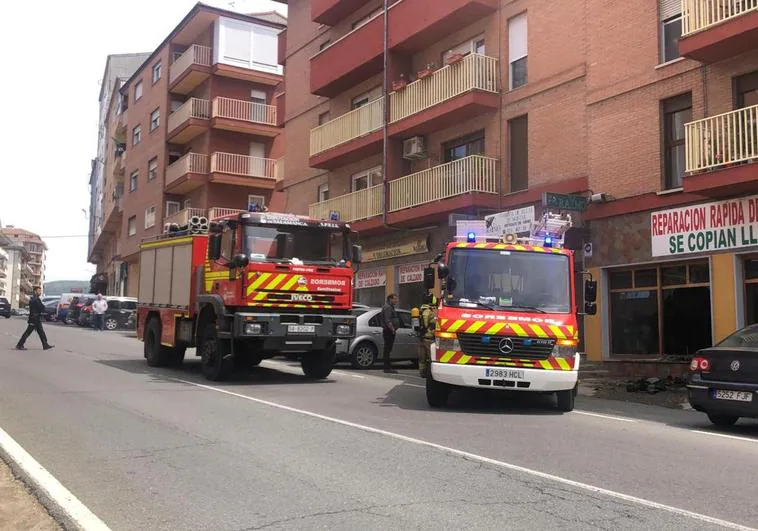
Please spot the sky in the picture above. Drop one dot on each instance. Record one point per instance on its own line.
(53, 56)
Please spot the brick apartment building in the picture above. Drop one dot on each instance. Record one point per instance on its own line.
(490, 103)
(193, 131)
(24, 266)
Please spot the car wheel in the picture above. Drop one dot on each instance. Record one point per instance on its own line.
(363, 356)
(111, 323)
(723, 420)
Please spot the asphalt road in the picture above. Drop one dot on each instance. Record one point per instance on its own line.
(162, 449)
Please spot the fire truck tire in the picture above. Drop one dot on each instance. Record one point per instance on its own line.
(437, 393)
(156, 354)
(318, 364)
(566, 400)
(215, 360)
(177, 356)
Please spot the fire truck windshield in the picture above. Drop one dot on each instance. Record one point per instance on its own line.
(286, 243)
(517, 280)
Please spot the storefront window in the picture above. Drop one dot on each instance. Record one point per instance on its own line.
(661, 310)
(751, 291)
(411, 295)
(370, 296)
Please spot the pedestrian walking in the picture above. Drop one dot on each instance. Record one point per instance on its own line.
(99, 307)
(390, 324)
(36, 310)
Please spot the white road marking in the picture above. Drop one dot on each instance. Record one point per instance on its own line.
(415, 385)
(725, 436)
(44, 480)
(475, 457)
(611, 417)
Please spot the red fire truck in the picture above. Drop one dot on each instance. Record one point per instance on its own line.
(253, 286)
(507, 318)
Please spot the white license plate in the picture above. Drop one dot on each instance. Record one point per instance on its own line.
(301, 329)
(511, 374)
(740, 396)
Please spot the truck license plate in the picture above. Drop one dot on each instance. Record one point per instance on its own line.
(504, 373)
(301, 329)
(740, 396)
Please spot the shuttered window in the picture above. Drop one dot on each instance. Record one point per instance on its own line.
(517, 51)
(669, 8)
(670, 16)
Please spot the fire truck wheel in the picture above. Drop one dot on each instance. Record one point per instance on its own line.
(216, 363)
(437, 393)
(363, 356)
(177, 356)
(318, 364)
(565, 400)
(156, 354)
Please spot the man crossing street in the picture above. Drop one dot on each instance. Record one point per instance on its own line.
(36, 310)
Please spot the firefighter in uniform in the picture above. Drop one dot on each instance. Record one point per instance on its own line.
(426, 319)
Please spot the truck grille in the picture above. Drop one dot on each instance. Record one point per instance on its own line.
(523, 347)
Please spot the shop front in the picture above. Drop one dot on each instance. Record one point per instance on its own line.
(410, 280)
(370, 286)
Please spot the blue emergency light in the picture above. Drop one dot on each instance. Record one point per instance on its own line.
(252, 207)
(548, 241)
(334, 215)
(471, 237)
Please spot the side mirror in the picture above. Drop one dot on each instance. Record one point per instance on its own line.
(357, 254)
(442, 271)
(240, 261)
(590, 290)
(429, 278)
(214, 247)
(590, 308)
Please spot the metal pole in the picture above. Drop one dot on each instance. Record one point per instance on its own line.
(385, 115)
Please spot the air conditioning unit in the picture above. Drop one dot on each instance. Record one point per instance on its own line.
(414, 148)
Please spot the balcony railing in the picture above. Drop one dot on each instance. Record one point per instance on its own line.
(189, 163)
(698, 15)
(220, 212)
(722, 140)
(242, 165)
(279, 169)
(355, 206)
(356, 123)
(192, 108)
(194, 55)
(473, 72)
(182, 217)
(475, 173)
(246, 111)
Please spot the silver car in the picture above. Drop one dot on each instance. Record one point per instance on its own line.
(367, 347)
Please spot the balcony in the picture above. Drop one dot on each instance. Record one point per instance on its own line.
(114, 210)
(713, 30)
(243, 170)
(187, 173)
(183, 217)
(720, 152)
(349, 138)
(119, 164)
(358, 55)
(220, 212)
(244, 117)
(190, 69)
(330, 12)
(356, 206)
(188, 121)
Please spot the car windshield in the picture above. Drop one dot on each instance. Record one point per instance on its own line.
(3, 300)
(744, 338)
(500, 279)
(288, 243)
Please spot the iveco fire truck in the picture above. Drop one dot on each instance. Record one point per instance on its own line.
(253, 286)
(507, 318)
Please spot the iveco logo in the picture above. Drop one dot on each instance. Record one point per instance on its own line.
(735, 365)
(302, 297)
(506, 345)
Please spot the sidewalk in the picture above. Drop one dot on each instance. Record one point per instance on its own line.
(18, 508)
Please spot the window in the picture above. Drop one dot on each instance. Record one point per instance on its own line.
(676, 112)
(323, 118)
(188, 203)
(133, 180)
(363, 20)
(517, 51)
(156, 72)
(246, 45)
(132, 226)
(475, 45)
(518, 152)
(662, 309)
(172, 207)
(463, 147)
(136, 135)
(258, 96)
(149, 217)
(670, 16)
(155, 119)
(138, 90)
(227, 243)
(367, 179)
(746, 87)
(322, 193)
(363, 99)
(152, 169)
(255, 202)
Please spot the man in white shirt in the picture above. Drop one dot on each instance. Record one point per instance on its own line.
(99, 307)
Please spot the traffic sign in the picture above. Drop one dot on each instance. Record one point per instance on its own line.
(576, 203)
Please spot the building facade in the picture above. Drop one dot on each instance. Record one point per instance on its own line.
(4, 273)
(194, 132)
(487, 104)
(25, 264)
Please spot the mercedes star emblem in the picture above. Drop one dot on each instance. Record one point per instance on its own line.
(735, 365)
(506, 345)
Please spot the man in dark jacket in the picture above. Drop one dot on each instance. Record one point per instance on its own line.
(390, 324)
(36, 310)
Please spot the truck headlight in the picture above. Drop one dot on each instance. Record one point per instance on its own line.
(343, 330)
(564, 348)
(253, 329)
(447, 341)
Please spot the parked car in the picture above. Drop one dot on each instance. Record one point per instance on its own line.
(51, 307)
(5, 308)
(119, 310)
(65, 303)
(723, 380)
(367, 346)
(75, 308)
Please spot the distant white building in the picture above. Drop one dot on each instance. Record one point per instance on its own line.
(3, 273)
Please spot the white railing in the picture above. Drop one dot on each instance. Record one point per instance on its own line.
(475, 173)
(356, 123)
(246, 111)
(698, 15)
(189, 163)
(355, 206)
(234, 164)
(473, 72)
(182, 217)
(220, 212)
(717, 141)
(192, 108)
(194, 55)
(279, 169)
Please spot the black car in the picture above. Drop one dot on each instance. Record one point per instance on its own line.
(51, 308)
(5, 308)
(723, 380)
(119, 310)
